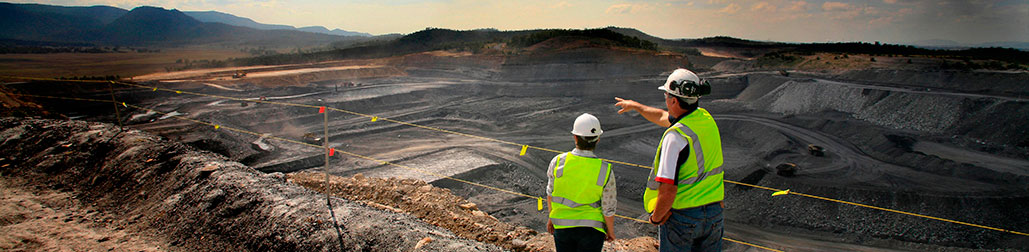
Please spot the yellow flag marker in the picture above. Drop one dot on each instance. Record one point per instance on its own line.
(787, 191)
(524, 148)
(217, 126)
(539, 204)
(178, 92)
(155, 89)
(375, 118)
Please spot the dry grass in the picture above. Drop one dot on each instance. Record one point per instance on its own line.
(103, 64)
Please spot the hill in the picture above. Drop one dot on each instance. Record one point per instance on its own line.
(474, 41)
(36, 22)
(751, 48)
(142, 26)
(229, 19)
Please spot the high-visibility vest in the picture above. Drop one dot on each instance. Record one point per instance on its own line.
(578, 187)
(699, 180)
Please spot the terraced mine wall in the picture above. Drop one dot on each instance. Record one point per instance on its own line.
(587, 64)
(199, 201)
(888, 124)
(990, 82)
(994, 119)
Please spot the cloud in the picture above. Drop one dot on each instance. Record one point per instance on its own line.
(628, 8)
(732, 8)
(763, 7)
(797, 6)
(836, 6)
(561, 5)
(619, 9)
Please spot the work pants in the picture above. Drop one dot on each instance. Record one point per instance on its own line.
(693, 229)
(578, 239)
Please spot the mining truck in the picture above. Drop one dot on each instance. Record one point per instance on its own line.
(311, 138)
(816, 150)
(239, 74)
(786, 169)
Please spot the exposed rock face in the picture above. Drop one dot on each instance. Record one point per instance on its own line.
(198, 200)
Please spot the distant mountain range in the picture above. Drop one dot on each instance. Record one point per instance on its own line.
(229, 19)
(146, 26)
(950, 44)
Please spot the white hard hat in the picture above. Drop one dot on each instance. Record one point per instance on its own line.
(686, 84)
(587, 125)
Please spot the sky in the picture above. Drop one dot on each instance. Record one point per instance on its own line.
(888, 21)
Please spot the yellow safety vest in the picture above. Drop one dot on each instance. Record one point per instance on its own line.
(578, 187)
(699, 180)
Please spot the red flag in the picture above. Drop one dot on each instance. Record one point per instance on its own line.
(321, 110)
(332, 151)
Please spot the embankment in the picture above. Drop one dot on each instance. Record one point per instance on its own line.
(200, 201)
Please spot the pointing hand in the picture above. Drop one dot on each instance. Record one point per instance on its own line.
(626, 105)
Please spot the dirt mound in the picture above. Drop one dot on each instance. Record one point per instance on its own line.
(20, 106)
(437, 206)
(46, 219)
(198, 200)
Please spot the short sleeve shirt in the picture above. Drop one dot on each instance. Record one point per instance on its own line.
(672, 156)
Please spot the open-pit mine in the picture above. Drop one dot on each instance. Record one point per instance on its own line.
(946, 144)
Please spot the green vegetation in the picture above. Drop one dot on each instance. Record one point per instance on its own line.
(432, 39)
(994, 53)
(13, 46)
(617, 38)
(777, 59)
(197, 64)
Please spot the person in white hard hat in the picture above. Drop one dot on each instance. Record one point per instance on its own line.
(685, 190)
(581, 192)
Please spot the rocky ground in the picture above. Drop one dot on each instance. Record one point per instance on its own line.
(135, 189)
(437, 206)
(40, 218)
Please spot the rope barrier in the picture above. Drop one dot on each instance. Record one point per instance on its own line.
(58, 97)
(608, 160)
(218, 126)
(405, 167)
(374, 118)
(537, 148)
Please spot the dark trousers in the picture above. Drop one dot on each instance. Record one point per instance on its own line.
(578, 239)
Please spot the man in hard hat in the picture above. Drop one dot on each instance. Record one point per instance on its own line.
(581, 192)
(684, 192)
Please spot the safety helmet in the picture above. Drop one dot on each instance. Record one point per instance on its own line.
(587, 125)
(686, 84)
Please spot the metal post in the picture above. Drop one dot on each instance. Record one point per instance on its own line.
(328, 198)
(325, 139)
(117, 114)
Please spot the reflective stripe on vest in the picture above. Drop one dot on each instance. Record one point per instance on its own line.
(576, 199)
(560, 169)
(692, 190)
(579, 223)
(571, 203)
